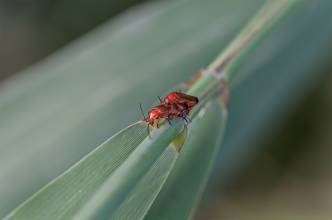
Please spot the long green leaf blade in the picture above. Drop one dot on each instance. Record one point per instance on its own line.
(183, 188)
(64, 196)
(124, 179)
(135, 183)
(56, 112)
(141, 198)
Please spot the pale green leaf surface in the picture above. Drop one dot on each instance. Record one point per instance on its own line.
(56, 112)
(183, 188)
(51, 118)
(141, 196)
(119, 170)
(118, 187)
(122, 187)
(140, 199)
(64, 196)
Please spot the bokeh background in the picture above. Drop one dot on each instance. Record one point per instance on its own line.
(33, 29)
(286, 176)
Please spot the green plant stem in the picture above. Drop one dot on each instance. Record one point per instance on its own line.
(216, 77)
(224, 65)
(220, 72)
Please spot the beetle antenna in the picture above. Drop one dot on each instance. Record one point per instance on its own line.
(140, 106)
(148, 127)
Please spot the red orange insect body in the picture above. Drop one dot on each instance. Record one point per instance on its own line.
(174, 105)
(156, 114)
(181, 100)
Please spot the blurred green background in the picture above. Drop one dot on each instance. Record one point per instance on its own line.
(33, 29)
(284, 168)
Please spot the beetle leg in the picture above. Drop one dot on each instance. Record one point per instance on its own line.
(148, 128)
(185, 125)
(169, 121)
(185, 117)
(160, 100)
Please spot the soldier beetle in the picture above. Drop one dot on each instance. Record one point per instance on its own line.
(179, 98)
(183, 103)
(174, 105)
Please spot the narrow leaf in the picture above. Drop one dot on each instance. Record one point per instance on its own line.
(183, 188)
(56, 112)
(65, 195)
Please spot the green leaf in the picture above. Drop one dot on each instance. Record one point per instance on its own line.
(122, 177)
(64, 196)
(131, 172)
(56, 112)
(135, 170)
(185, 185)
(138, 199)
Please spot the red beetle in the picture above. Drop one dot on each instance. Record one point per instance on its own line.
(178, 98)
(175, 104)
(157, 113)
(183, 103)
